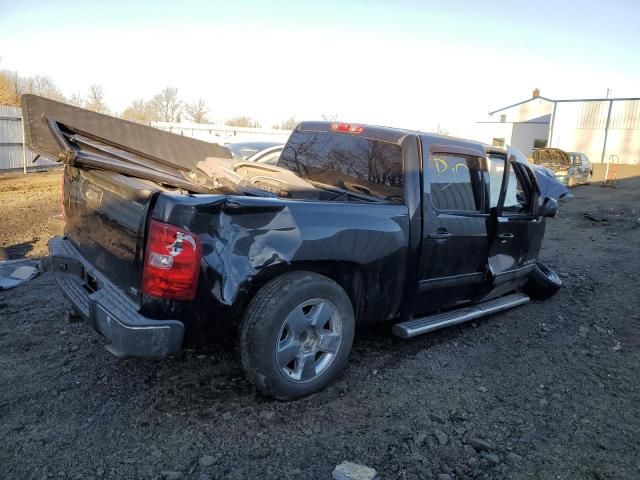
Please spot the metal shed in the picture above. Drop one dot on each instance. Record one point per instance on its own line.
(14, 156)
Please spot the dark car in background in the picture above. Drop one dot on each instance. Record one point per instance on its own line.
(569, 168)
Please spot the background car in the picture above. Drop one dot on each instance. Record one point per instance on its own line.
(248, 150)
(269, 156)
(569, 168)
(582, 164)
(549, 185)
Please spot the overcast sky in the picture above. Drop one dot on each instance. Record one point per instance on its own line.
(402, 63)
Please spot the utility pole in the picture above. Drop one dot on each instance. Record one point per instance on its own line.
(606, 131)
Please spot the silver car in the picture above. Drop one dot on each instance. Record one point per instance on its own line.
(260, 152)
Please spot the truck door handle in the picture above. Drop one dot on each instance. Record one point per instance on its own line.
(504, 237)
(440, 235)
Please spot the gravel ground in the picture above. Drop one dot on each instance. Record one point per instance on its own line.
(548, 390)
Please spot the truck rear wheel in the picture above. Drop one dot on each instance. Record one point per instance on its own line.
(296, 335)
(542, 283)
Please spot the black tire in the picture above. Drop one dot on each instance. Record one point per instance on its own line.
(542, 283)
(266, 324)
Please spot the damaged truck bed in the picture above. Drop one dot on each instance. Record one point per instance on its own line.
(168, 240)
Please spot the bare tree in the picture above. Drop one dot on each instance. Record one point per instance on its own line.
(167, 105)
(76, 99)
(289, 123)
(242, 121)
(14, 86)
(15, 80)
(197, 111)
(141, 111)
(38, 85)
(329, 118)
(440, 130)
(8, 94)
(46, 87)
(95, 99)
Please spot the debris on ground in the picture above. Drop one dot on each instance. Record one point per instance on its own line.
(208, 460)
(171, 475)
(353, 471)
(442, 437)
(480, 444)
(15, 272)
(594, 217)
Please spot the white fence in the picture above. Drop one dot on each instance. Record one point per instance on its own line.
(14, 155)
(219, 133)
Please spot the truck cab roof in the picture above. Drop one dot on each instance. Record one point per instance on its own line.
(386, 134)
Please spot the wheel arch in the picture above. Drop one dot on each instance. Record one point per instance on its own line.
(348, 275)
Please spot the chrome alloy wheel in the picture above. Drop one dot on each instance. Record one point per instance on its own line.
(309, 340)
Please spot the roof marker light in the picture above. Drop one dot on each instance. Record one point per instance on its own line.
(347, 128)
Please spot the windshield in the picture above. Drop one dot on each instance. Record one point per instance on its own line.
(554, 159)
(350, 163)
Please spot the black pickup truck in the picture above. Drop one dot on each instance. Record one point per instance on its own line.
(168, 239)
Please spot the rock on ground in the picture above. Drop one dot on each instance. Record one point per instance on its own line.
(353, 471)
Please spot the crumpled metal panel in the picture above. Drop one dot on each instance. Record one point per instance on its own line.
(15, 272)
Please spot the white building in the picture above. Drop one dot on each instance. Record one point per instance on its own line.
(605, 129)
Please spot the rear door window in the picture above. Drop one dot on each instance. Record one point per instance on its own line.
(516, 199)
(456, 183)
(496, 175)
(358, 164)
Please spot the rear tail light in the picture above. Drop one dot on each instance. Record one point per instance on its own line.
(346, 128)
(171, 262)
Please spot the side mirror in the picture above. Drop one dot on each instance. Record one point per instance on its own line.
(549, 207)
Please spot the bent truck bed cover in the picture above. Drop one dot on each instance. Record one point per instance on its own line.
(168, 148)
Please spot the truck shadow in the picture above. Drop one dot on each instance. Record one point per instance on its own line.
(16, 251)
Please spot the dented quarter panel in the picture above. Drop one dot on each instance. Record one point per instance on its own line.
(243, 238)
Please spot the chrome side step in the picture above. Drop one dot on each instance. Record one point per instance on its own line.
(418, 326)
